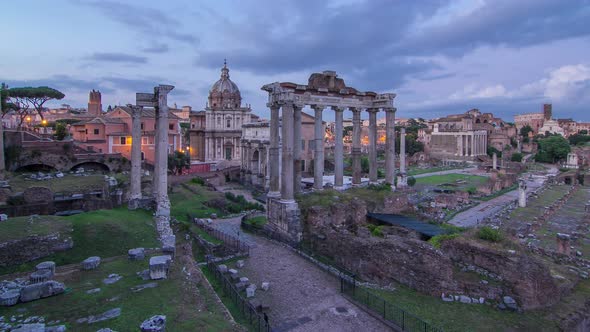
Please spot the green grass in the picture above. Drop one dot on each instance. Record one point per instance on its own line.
(68, 184)
(461, 182)
(190, 199)
(258, 221)
(22, 227)
(187, 307)
(104, 233)
(417, 171)
(464, 317)
(536, 206)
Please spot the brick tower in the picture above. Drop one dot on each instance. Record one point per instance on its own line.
(94, 103)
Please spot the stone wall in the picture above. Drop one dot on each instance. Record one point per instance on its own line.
(33, 247)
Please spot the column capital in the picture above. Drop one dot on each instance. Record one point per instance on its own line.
(163, 89)
(337, 108)
(298, 106)
(135, 110)
(390, 109)
(355, 109)
(318, 107)
(372, 110)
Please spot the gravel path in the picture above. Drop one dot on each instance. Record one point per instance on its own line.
(301, 296)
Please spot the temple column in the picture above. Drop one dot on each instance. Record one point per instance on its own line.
(135, 194)
(318, 155)
(372, 144)
(459, 146)
(390, 146)
(274, 151)
(339, 150)
(287, 194)
(356, 146)
(401, 179)
(472, 145)
(297, 147)
(162, 201)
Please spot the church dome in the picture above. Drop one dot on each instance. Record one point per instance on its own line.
(225, 93)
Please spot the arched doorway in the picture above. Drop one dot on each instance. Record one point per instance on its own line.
(254, 162)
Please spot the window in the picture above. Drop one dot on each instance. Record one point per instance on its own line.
(86, 131)
(142, 126)
(219, 121)
(142, 156)
(302, 144)
(96, 131)
(123, 140)
(229, 123)
(311, 144)
(171, 126)
(144, 140)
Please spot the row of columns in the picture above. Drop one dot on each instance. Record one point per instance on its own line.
(160, 185)
(291, 148)
(471, 145)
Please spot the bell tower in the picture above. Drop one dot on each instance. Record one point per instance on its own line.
(94, 103)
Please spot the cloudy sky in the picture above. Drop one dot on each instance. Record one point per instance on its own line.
(440, 57)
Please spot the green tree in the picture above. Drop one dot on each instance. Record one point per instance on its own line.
(552, 149)
(524, 131)
(411, 181)
(490, 151)
(579, 139)
(60, 131)
(365, 164)
(29, 97)
(516, 157)
(177, 161)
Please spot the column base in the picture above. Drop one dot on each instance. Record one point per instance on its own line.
(284, 216)
(339, 188)
(402, 181)
(274, 194)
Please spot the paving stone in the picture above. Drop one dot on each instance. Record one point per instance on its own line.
(91, 263)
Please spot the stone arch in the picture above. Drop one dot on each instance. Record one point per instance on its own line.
(40, 167)
(93, 165)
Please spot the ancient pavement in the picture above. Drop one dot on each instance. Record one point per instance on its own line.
(476, 214)
(302, 297)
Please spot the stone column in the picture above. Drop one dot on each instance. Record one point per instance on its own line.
(472, 145)
(162, 201)
(494, 161)
(402, 179)
(287, 155)
(373, 144)
(466, 145)
(274, 152)
(521, 193)
(460, 145)
(266, 169)
(339, 150)
(135, 194)
(390, 147)
(356, 146)
(318, 154)
(297, 147)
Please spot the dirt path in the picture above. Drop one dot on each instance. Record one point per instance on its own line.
(301, 296)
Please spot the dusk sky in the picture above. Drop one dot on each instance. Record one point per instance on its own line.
(440, 57)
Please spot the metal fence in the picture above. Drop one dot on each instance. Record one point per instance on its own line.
(403, 320)
(230, 241)
(257, 321)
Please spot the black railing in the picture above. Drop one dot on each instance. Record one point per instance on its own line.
(402, 320)
(257, 321)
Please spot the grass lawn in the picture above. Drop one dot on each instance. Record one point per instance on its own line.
(103, 233)
(189, 198)
(417, 171)
(22, 227)
(451, 316)
(188, 307)
(68, 184)
(258, 221)
(460, 182)
(536, 206)
(328, 196)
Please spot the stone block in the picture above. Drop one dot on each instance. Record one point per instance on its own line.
(222, 268)
(154, 324)
(136, 254)
(91, 263)
(30, 292)
(40, 276)
(240, 264)
(447, 298)
(169, 244)
(51, 288)
(9, 298)
(159, 266)
(3, 217)
(510, 303)
(48, 265)
(244, 279)
(37, 327)
(241, 285)
(250, 292)
(265, 285)
(111, 279)
(464, 299)
(58, 328)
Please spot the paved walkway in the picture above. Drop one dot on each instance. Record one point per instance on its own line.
(476, 214)
(302, 297)
(467, 171)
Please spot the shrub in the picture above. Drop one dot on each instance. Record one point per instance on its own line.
(198, 181)
(379, 187)
(257, 222)
(375, 230)
(437, 240)
(489, 234)
(472, 190)
(516, 157)
(411, 181)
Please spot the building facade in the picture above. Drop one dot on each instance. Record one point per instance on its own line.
(215, 133)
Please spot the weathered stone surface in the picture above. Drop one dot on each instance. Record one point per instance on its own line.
(154, 324)
(265, 285)
(38, 195)
(222, 268)
(91, 263)
(111, 279)
(93, 291)
(9, 298)
(40, 276)
(447, 298)
(244, 279)
(48, 265)
(240, 264)
(37, 327)
(136, 254)
(241, 285)
(144, 286)
(33, 247)
(159, 266)
(464, 299)
(59, 328)
(3, 217)
(110, 314)
(45, 289)
(510, 303)
(250, 292)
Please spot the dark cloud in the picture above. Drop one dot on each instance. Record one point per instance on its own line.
(64, 83)
(157, 48)
(375, 44)
(150, 22)
(116, 57)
